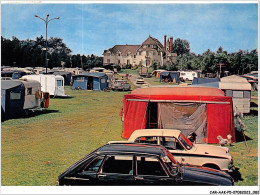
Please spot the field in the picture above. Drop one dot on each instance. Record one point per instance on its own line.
(35, 150)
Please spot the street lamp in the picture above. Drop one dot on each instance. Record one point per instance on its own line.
(46, 24)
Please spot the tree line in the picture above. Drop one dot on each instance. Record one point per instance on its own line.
(31, 53)
(239, 62)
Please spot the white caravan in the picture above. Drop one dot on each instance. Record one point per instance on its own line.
(53, 84)
(189, 75)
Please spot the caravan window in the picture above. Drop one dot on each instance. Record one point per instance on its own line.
(238, 94)
(15, 96)
(29, 91)
(59, 83)
(247, 94)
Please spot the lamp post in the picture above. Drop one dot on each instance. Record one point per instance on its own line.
(47, 20)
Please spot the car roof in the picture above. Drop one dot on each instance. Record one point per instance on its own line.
(133, 148)
(154, 132)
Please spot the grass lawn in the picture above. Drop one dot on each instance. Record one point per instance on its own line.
(35, 150)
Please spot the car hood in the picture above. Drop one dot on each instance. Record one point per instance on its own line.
(210, 150)
(206, 175)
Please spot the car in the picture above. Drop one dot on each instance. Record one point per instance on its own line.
(121, 85)
(137, 164)
(140, 80)
(184, 151)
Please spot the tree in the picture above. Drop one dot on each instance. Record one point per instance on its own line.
(181, 46)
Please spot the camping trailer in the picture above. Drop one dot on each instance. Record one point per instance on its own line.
(90, 81)
(205, 111)
(53, 84)
(240, 90)
(189, 75)
(19, 96)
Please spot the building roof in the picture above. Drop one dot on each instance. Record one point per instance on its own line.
(124, 49)
(152, 41)
(178, 91)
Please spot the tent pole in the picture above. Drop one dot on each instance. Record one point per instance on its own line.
(241, 124)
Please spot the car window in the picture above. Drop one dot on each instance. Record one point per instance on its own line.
(147, 139)
(171, 143)
(118, 164)
(149, 166)
(94, 165)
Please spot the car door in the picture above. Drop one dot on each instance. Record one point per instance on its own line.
(150, 171)
(88, 174)
(117, 170)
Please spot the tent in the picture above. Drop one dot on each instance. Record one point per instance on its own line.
(170, 76)
(90, 81)
(207, 112)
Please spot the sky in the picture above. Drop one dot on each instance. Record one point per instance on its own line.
(91, 28)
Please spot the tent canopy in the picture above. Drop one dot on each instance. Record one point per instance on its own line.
(186, 107)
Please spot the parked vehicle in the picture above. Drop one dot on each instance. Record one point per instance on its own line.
(140, 80)
(189, 75)
(121, 85)
(53, 84)
(137, 164)
(184, 151)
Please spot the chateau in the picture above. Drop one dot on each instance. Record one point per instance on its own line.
(151, 50)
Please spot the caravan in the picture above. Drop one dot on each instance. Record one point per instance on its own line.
(189, 75)
(53, 84)
(17, 97)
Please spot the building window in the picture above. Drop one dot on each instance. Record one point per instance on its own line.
(140, 53)
(103, 80)
(134, 56)
(159, 53)
(154, 53)
(148, 45)
(118, 54)
(118, 61)
(108, 60)
(15, 96)
(128, 62)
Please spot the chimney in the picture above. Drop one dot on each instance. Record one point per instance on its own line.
(171, 41)
(165, 42)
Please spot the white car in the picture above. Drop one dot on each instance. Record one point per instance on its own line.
(140, 80)
(184, 151)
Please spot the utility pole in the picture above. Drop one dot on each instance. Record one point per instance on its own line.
(46, 20)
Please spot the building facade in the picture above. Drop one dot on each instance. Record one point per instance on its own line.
(150, 51)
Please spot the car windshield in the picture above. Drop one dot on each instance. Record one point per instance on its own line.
(186, 142)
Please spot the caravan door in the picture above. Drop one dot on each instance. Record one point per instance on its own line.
(59, 91)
